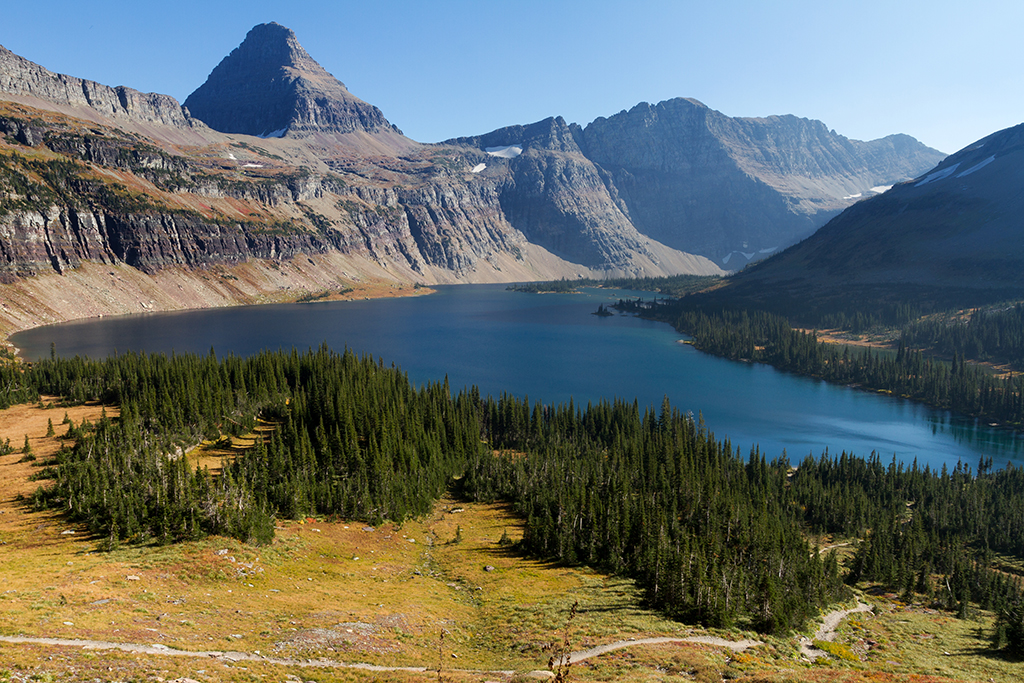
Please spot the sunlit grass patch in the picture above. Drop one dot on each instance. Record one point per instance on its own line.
(212, 454)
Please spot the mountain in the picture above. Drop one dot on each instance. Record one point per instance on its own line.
(276, 180)
(20, 78)
(737, 189)
(953, 234)
(114, 201)
(560, 199)
(269, 86)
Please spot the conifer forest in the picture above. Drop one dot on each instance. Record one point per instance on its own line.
(712, 535)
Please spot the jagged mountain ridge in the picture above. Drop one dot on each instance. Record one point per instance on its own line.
(711, 191)
(952, 234)
(20, 77)
(729, 189)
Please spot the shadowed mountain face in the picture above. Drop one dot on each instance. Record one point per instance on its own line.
(269, 86)
(955, 232)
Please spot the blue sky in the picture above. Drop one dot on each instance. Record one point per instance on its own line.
(947, 73)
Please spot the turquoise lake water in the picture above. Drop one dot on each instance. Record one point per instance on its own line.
(549, 347)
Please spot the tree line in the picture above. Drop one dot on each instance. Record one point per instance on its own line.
(710, 535)
(991, 334)
(768, 338)
(351, 437)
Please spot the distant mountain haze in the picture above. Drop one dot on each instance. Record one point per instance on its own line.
(737, 189)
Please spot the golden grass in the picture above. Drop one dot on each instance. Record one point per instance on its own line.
(214, 453)
(344, 592)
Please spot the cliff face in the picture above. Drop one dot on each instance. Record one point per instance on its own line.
(18, 76)
(555, 196)
(559, 199)
(64, 238)
(61, 213)
(107, 197)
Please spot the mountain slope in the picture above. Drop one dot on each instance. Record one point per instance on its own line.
(560, 200)
(92, 174)
(953, 233)
(734, 189)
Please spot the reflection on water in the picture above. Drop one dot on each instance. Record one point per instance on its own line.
(1002, 445)
(551, 348)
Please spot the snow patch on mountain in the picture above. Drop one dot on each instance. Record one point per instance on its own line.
(506, 152)
(939, 175)
(977, 166)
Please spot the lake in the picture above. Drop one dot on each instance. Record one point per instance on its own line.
(549, 347)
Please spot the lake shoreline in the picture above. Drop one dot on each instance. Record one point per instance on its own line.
(553, 350)
(832, 339)
(96, 291)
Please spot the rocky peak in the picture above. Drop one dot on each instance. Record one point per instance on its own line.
(269, 86)
(669, 136)
(552, 134)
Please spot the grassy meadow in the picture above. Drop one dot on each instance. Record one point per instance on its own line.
(443, 597)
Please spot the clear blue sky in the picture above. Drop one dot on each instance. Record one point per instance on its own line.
(945, 72)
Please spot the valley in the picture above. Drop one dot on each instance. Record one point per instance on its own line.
(273, 491)
(101, 176)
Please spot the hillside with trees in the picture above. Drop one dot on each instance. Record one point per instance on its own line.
(712, 536)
